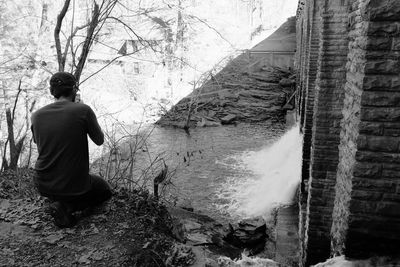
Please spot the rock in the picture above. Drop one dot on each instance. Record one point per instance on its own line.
(288, 107)
(178, 230)
(228, 119)
(201, 230)
(198, 238)
(253, 225)
(247, 239)
(260, 117)
(249, 233)
(207, 123)
(185, 204)
(191, 225)
(227, 95)
(211, 113)
(286, 82)
(179, 124)
(210, 263)
(181, 256)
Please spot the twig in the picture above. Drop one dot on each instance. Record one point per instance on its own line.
(16, 100)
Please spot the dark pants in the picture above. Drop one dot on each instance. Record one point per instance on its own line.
(99, 193)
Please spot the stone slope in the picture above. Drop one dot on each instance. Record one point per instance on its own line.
(233, 95)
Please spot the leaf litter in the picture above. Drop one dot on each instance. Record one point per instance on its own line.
(131, 230)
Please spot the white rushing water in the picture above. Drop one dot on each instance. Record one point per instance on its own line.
(273, 174)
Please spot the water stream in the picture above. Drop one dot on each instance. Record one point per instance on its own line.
(229, 172)
(232, 172)
(273, 180)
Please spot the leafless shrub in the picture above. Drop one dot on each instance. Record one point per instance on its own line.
(127, 161)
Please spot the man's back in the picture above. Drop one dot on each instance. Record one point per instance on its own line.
(60, 132)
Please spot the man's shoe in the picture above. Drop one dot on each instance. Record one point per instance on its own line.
(62, 217)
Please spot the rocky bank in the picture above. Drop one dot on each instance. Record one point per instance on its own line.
(235, 94)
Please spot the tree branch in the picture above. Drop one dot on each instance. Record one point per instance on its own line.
(88, 41)
(60, 17)
(69, 41)
(140, 39)
(16, 100)
(212, 28)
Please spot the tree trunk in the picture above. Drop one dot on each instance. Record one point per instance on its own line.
(28, 161)
(10, 128)
(15, 148)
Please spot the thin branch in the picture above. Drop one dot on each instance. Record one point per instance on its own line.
(109, 63)
(16, 100)
(38, 63)
(212, 28)
(140, 39)
(11, 59)
(70, 39)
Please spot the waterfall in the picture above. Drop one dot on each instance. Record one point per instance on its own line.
(273, 174)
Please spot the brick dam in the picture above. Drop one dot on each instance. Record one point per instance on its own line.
(348, 100)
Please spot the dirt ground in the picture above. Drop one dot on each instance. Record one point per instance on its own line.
(132, 229)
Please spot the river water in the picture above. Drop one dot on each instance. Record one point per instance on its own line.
(232, 172)
(227, 172)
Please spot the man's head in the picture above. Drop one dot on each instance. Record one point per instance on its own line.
(63, 84)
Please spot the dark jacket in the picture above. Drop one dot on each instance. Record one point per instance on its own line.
(60, 131)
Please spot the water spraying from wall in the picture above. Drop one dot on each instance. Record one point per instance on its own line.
(275, 176)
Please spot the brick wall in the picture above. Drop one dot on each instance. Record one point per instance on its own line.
(311, 42)
(349, 133)
(328, 104)
(367, 206)
(350, 75)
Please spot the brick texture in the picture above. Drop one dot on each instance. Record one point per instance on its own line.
(349, 104)
(328, 104)
(309, 31)
(373, 206)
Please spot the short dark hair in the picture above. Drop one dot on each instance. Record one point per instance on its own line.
(62, 84)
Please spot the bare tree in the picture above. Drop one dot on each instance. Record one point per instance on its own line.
(100, 13)
(15, 145)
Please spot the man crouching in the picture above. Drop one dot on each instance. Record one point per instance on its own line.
(60, 132)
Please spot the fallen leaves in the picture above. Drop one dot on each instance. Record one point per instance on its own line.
(91, 255)
(26, 211)
(17, 184)
(52, 239)
(123, 225)
(84, 259)
(28, 236)
(4, 204)
(146, 245)
(181, 255)
(6, 257)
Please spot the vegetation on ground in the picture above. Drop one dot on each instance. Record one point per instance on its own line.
(132, 229)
